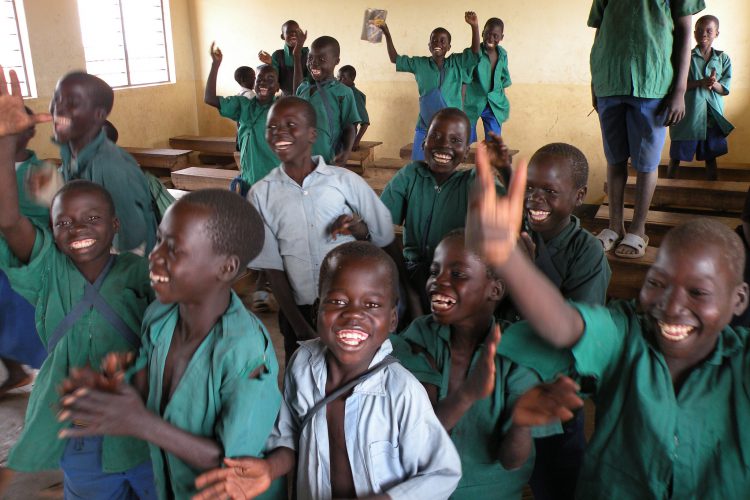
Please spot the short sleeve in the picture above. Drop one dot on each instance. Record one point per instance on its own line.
(524, 347)
(406, 64)
(286, 431)
(726, 73)
(275, 58)
(27, 279)
(360, 100)
(269, 257)
(349, 114)
(415, 362)
(597, 13)
(467, 61)
(505, 72)
(366, 203)
(394, 196)
(231, 107)
(602, 342)
(682, 8)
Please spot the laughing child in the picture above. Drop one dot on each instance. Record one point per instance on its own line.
(256, 157)
(205, 382)
(87, 301)
(353, 424)
(283, 59)
(669, 375)
(439, 78)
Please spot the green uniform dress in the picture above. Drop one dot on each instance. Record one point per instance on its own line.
(103, 162)
(219, 396)
(485, 88)
(256, 156)
(631, 54)
(479, 432)
(343, 110)
(53, 285)
(648, 439)
(703, 106)
(360, 99)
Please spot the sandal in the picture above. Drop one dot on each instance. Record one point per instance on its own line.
(635, 242)
(608, 239)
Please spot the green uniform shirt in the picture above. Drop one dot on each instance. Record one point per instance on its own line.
(489, 88)
(360, 98)
(256, 156)
(344, 109)
(427, 211)
(217, 397)
(632, 53)
(479, 432)
(703, 106)
(647, 438)
(457, 67)
(37, 213)
(53, 285)
(104, 163)
(283, 61)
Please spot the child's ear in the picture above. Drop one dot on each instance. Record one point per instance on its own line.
(116, 224)
(581, 195)
(315, 310)
(100, 114)
(282, 37)
(229, 268)
(741, 294)
(394, 319)
(313, 135)
(497, 290)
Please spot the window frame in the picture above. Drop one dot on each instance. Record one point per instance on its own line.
(22, 34)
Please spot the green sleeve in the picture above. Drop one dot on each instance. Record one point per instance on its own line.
(406, 64)
(231, 107)
(505, 73)
(603, 341)
(275, 57)
(360, 99)
(415, 362)
(589, 277)
(597, 13)
(726, 73)
(349, 114)
(687, 7)
(394, 196)
(28, 279)
(524, 347)
(517, 381)
(467, 61)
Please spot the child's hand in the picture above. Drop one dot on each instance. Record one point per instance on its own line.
(265, 57)
(497, 152)
(384, 28)
(673, 106)
(301, 38)
(96, 413)
(349, 225)
(528, 246)
(492, 222)
(13, 116)
(241, 479)
(471, 19)
(481, 380)
(547, 403)
(711, 80)
(216, 56)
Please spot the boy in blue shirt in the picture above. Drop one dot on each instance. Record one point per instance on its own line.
(439, 78)
(283, 59)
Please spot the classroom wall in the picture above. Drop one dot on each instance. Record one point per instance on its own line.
(547, 41)
(145, 116)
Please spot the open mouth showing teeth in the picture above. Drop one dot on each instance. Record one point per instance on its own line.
(262, 91)
(351, 337)
(282, 145)
(538, 215)
(440, 302)
(675, 333)
(156, 278)
(441, 158)
(81, 244)
(315, 72)
(62, 122)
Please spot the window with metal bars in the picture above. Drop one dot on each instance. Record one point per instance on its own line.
(14, 47)
(126, 42)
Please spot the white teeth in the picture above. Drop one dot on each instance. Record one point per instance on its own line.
(538, 215)
(81, 244)
(675, 332)
(155, 278)
(442, 158)
(440, 302)
(62, 122)
(282, 144)
(351, 337)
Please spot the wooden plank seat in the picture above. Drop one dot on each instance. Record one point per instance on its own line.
(628, 274)
(724, 196)
(216, 145)
(161, 158)
(405, 153)
(363, 157)
(657, 223)
(194, 178)
(696, 170)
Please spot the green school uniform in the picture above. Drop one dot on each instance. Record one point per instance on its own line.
(344, 110)
(703, 106)
(360, 99)
(219, 396)
(37, 213)
(631, 54)
(104, 163)
(53, 285)
(427, 210)
(283, 61)
(256, 156)
(647, 437)
(489, 88)
(479, 432)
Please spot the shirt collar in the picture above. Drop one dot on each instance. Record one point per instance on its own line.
(444, 331)
(375, 385)
(84, 154)
(562, 239)
(424, 171)
(727, 344)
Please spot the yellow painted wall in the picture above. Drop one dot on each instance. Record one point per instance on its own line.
(547, 41)
(145, 116)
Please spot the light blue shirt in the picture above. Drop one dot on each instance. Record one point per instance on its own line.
(297, 220)
(395, 443)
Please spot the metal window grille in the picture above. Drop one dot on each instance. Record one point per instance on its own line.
(14, 52)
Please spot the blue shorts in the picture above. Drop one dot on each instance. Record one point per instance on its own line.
(632, 128)
(714, 146)
(18, 338)
(490, 124)
(417, 153)
(83, 477)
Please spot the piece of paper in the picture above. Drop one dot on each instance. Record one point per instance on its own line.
(374, 18)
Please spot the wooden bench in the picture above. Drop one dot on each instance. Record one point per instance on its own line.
(405, 153)
(220, 145)
(364, 156)
(725, 196)
(657, 223)
(194, 178)
(628, 274)
(160, 158)
(696, 170)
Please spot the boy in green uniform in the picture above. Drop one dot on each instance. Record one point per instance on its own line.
(283, 59)
(80, 107)
(472, 389)
(668, 376)
(439, 78)
(485, 92)
(639, 68)
(429, 198)
(346, 75)
(256, 157)
(87, 303)
(207, 369)
(703, 133)
(333, 101)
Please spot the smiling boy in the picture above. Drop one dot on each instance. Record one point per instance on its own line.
(375, 436)
(283, 59)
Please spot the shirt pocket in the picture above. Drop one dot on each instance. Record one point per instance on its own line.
(386, 470)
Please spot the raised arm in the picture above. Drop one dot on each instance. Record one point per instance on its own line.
(392, 54)
(210, 97)
(471, 19)
(297, 56)
(492, 228)
(674, 102)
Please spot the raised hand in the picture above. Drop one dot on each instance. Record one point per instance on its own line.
(384, 28)
(471, 18)
(216, 55)
(13, 116)
(493, 223)
(480, 382)
(547, 403)
(265, 57)
(241, 479)
(301, 38)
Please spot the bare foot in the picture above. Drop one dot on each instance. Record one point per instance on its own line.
(14, 381)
